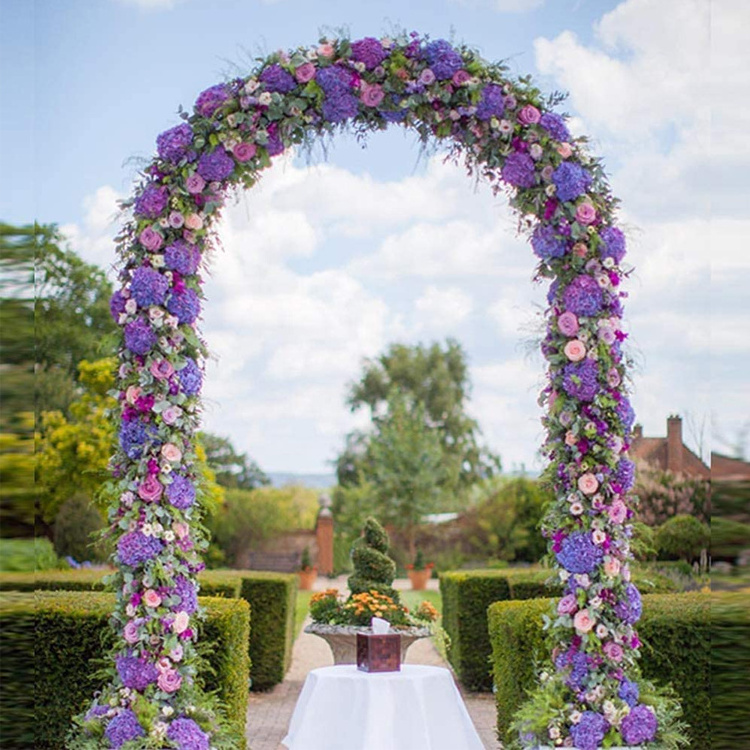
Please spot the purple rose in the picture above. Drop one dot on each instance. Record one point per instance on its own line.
(546, 244)
(518, 170)
(211, 99)
(571, 180)
(368, 51)
(184, 304)
(581, 380)
(492, 103)
(277, 79)
(150, 239)
(139, 337)
(613, 244)
(151, 201)
(579, 554)
(639, 726)
(215, 165)
(172, 145)
(443, 60)
(583, 296)
(148, 287)
(123, 728)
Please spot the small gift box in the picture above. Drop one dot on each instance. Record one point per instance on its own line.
(379, 653)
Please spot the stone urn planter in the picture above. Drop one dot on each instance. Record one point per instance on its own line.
(342, 639)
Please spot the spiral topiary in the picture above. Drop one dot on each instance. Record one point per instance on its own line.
(373, 569)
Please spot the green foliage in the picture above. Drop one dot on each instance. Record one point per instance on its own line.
(728, 538)
(232, 469)
(76, 524)
(682, 538)
(643, 542)
(305, 562)
(419, 563)
(730, 499)
(19, 555)
(373, 569)
(69, 630)
(18, 491)
(676, 629)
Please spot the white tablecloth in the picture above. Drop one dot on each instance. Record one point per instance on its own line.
(418, 708)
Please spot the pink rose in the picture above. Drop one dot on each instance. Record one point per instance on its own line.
(130, 632)
(613, 379)
(588, 483)
(132, 394)
(151, 598)
(169, 680)
(180, 529)
(576, 508)
(181, 622)
(244, 151)
(567, 605)
(170, 452)
(193, 221)
(171, 414)
(372, 95)
(325, 50)
(612, 567)
(617, 511)
(565, 150)
(176, 220)
(195, 184)
(575, 350)
(598, 537)
(585, 213)
(460, 77)
(613, 651)
(161, 369)
(583, 622)
(305, 72)
(426, 77)
(570, 438)
(151, 489)
(176, 653)
(529, 115)
(580, 249)
(567, 324)
(150, 239)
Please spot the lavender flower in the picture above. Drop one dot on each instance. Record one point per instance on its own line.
(583, 296)
(639, 726)
(136, 673)
(555, 126)
(211, 99)
(443, 60)
(172, 145)
(191, 378)
(187, 735)
(625, 474)
(492, 103)
(139, 337)
(629, 609)
(277, 79)
(579, 554)
(182, 257)
(626, 414)
(181, 492)
(117, 305)
(123, 728)
(518, 170)
(133, 436)
(135, 548)
(629, 692)
(589, 732)
(581, 380)
(151, 201)
(571, 180)
(95, 712)
(368, 51)
(546, 244)
(215, 165)
(184, 304)
(613, 243)
(186, 590)
(148, 286)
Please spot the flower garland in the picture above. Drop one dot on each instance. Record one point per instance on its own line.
(504, 131)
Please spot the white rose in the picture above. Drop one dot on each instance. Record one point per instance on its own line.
(265, 98)
(553, 732)
(131, 306)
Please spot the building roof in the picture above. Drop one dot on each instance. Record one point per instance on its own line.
(728, 469)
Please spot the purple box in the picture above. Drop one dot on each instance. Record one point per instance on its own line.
(379, 653)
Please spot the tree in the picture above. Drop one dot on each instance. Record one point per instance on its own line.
(232, 469)
(435, 379)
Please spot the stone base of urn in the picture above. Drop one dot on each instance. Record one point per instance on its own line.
(342, 639)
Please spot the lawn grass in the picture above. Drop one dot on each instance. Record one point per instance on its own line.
(300, 613)
(412, 599)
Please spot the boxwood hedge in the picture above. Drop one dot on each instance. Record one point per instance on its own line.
(675, 628)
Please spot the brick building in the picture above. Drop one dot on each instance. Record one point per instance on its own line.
(668, 453)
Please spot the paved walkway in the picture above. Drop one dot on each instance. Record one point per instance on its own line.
(268, 714)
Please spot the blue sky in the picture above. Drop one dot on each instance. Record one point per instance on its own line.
(326, 263)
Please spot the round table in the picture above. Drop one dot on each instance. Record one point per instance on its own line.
(418, 708)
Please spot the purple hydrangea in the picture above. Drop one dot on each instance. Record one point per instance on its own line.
(277, 79)
(629, 609)
(136, 673)
(139, 337)
(629, 692)
(626, 414)
(182, 257)
(148, 286)
(571, 180)
(613, 244)
(518, 170)
(625, 474)
(186, 590)
(133, 436)
(546, 244)
(443, 60)
(211, 99)
(583, 296)
(339, 107)
(589, 732)
(334, 80)
(123, 728)
(184, 303)
(135, 548)
(639, 726)
(151, 201)
(492, 103)
(215, 165)
(581, 380)
(187, 735)
(117, 305)
(579, 554)
(368, 51)
(181, 492)
(579, 667)
(173, 144)
(95, 712)
(555, 126)
(275, 145)
(393, 116)
(191, 378)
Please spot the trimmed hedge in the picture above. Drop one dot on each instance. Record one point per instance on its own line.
(466, 596)
(271, 596)
(65, 635)
(675, 628)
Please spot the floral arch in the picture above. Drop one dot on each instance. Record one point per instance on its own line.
(507, 133)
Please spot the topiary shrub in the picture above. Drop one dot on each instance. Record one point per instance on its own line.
(682, 538)
(373, 569)
(728, 539)
(76, 524)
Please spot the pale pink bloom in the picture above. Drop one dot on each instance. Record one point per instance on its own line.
(625, 573)
(536, 151)
(598, 536)
(171, 452)
(575, 717)
(567, 324)
(151, 598)
(583, 622)
(588, 483)
(195, 184)
(132, 394)
(613, 379)
(169, 680)
(176, 653)
(131, 306)
(580, 249)
(163, 664)
(570, 438)
(193, 221)
(181, 622)
(565, 150)
(130, 632)
(612, 567)
(613, 651)
(585, 213)
(567, 605)
(575, 350)
(325, 50)
(176, 219)
(127, 499)
(583, 580)
(171, 414)
(603, 280)
(601, 631)
(617, 511)
(305, 72)
(576, 509)
(180, 529)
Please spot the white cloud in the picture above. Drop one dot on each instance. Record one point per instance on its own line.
(442, 310)
(505, 6)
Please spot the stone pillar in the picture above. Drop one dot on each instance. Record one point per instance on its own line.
(674, 443)
(324, 536)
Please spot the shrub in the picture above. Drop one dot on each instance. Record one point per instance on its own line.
(65, 636)
(682, 538)
(26, 555)
(676, 629)
(76, 523)
(663, 494)
(728, 539)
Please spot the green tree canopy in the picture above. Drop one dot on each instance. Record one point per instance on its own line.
(233, 470)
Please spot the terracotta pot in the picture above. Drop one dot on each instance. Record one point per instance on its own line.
(307, 578)
(342, 639)
(419, 578)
